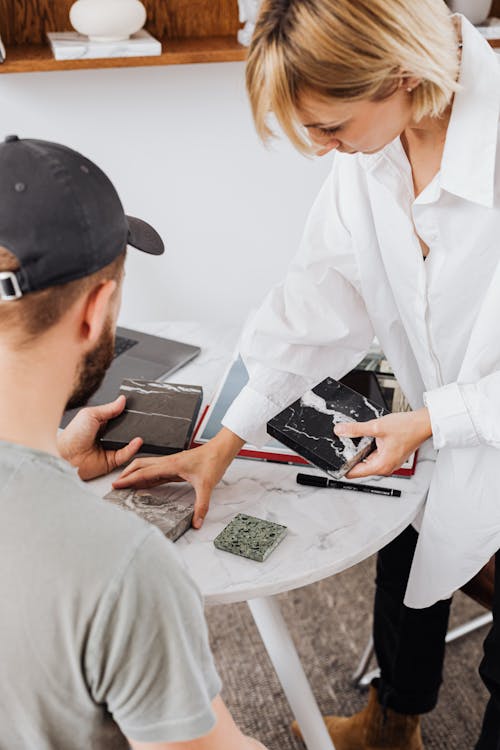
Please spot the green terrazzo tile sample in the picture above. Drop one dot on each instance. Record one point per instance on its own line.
(250, 537)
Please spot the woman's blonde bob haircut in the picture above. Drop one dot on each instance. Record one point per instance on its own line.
(350, 50)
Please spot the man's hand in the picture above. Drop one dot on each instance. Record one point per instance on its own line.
(397, 436)
(203, 467)
(78, 444)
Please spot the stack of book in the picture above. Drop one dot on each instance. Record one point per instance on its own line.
(376, 362)
(70, 45)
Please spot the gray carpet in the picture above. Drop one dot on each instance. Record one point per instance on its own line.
(330, 623)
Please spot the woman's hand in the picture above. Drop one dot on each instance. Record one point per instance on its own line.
(78, 444)
(203, 467)
(397, 436)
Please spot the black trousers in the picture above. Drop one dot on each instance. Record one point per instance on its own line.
(410, 643)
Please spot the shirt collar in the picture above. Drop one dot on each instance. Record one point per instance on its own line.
(469, 156)
(468, 163)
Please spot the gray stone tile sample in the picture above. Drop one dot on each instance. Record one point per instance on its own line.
(250, 537)
(164, 507)
(307, 425)
(163, 414)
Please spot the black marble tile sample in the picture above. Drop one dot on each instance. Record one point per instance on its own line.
(160, 506)
(307, 425)
(162, 414)
(250, 537)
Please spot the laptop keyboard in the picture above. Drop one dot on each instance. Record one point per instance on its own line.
(123, 344)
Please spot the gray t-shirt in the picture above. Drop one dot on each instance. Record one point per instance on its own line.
(102, 632)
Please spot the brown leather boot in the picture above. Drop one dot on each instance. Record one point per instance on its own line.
(370, 729)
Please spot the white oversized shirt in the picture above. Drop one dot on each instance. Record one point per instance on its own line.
(360, 272)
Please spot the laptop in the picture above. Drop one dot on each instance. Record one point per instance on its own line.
(138, 355)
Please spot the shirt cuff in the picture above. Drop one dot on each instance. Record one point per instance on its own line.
(452, 426)
(248, 415)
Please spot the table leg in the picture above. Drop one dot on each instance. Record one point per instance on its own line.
(281, 649)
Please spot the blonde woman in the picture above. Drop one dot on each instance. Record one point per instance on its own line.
(402, 242)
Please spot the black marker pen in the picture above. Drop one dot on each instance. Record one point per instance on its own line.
(314, 481)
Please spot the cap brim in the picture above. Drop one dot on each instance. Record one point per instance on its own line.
(143, 237)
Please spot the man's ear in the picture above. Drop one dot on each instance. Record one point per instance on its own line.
(96, 310)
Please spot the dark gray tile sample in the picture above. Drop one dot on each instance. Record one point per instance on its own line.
(163, 414)
(161, 506)
(250, 537)
(307, 425)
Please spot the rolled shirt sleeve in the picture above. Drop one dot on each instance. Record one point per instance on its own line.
(312, 325)
(466, 414)
(268, 392)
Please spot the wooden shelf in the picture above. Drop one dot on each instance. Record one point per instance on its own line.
(192, 31)
(27, 58)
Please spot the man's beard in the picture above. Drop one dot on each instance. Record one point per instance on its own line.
(92, 369)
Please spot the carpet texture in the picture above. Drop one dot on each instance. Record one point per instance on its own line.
(330, 623)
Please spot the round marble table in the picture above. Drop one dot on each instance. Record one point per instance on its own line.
(328, 530)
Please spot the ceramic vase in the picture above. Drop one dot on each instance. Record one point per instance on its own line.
(107, 20)
(476, 11)
(249, 10)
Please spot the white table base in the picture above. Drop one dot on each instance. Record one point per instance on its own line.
(281, 649)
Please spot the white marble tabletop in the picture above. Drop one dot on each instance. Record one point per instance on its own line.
(328, 530)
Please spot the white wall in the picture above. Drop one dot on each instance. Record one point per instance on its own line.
(178, 143)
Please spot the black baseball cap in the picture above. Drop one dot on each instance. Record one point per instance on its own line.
(60, 216)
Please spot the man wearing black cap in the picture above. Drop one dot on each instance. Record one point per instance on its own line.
(102, 638)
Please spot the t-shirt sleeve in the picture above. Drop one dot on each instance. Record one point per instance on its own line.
(149, 660)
